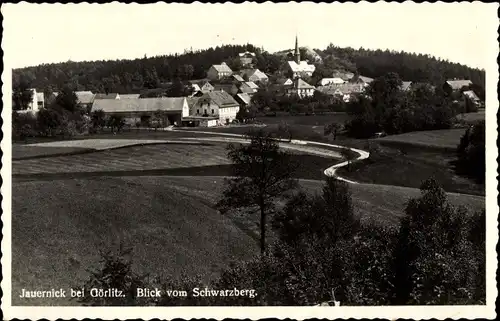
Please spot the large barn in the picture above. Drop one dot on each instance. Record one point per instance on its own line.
(140, 110)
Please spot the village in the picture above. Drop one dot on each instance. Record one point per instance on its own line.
(217, 99)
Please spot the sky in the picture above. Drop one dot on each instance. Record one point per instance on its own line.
(47, 33)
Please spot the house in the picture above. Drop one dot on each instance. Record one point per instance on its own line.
(328, 81)
(365, 80)
(298, 68)
(300, 88)
(238, 78)
(406, 85)
(139, 110)
(344, 75)
(37, 101)
(84, 98)
(231, 89)
(248, 87)
(107, 96)
(284, 82)
(470, 97)
(216, 104)
(217, 72)
(246, 58)
(344, 91)
(243, 99)
(455, 85)
(130, 96)
(254, 75)
(201, 85)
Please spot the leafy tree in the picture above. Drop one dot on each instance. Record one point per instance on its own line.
(98, 119)
(262, 173)
(116, 122)
(348, 155)
(433, 260)
(48, 121)
(332, 129)
(67, 100)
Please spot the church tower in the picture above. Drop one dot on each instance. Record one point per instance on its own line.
(297, 51)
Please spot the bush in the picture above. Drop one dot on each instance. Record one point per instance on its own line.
(434, 262)
(115, 273)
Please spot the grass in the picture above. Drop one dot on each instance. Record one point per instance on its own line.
(23, 151)
(472, 118)
(409, 168)
(446, 139)
(58, 226)
(311, 120)
(196, 159)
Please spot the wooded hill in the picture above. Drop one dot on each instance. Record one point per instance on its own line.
(132, 76)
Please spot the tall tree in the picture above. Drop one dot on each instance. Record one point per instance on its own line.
(22, 96)
(262, 173)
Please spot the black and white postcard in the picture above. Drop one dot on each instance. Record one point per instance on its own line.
(287, 160)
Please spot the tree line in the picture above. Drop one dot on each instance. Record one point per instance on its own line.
(132, 76)
(322, 251)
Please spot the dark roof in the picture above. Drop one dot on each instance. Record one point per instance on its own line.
(245, 98)
(224, 87)
(221, 98)
(106, 96)
(139, 105)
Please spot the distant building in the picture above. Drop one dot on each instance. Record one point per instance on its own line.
(37, 101)
(470, 97)
(217, 72)
(246, 58)
(344, 75)
(85, 98)
(406, 85)
(254, 75)
(300, 88)
(328, 81)
(202, 86)
(455, 85)
(298, 68)
(238, 78)
(230, 88)
(216, 104)
(344, 91)
(137, 110)
(284, 82)
(365, 80)
(243, 99)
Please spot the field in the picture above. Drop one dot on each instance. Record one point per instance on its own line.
(471, 118)
(58, 226)
(311, 120)
(446, 139)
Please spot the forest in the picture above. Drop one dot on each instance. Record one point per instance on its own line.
(133, 76)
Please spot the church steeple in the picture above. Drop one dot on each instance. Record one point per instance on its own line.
(297, 51)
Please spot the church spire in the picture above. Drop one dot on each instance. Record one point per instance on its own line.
(297, 51)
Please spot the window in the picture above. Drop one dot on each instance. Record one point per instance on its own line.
(212, 111)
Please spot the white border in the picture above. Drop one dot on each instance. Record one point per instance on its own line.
(410, 312)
